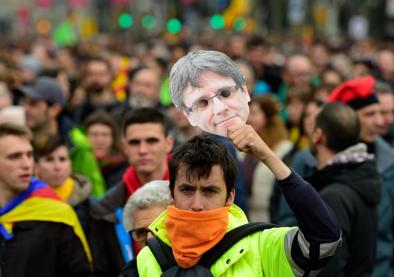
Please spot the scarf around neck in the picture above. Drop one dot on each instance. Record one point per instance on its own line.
(194, 233)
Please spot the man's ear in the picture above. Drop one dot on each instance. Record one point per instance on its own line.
(317, 136)
(54, 110)
(170, 143)
(230, 198)
(190, 118)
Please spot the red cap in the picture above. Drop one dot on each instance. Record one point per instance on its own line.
(357, 93)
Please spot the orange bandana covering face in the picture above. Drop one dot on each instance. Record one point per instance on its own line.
(194, 233)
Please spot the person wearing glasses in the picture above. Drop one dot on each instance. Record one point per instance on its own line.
(141, 210)
(210, 89)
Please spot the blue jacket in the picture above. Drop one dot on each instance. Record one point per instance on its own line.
(384, 265)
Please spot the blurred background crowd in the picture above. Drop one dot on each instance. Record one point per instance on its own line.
(110, 57)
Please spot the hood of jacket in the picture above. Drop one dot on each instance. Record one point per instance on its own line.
(362, 177)
(82, 190)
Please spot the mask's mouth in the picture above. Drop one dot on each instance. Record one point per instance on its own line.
(224, 121)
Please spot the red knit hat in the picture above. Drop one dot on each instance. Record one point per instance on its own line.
(356, 93)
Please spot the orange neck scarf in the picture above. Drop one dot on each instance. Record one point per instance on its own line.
(194, 233)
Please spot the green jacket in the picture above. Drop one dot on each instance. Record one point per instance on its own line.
(84, 162)
(264, 253)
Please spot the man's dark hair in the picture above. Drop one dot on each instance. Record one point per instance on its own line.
(198, 156)
(340, 125)
(133, 72)
(256, 41)
(145, 115)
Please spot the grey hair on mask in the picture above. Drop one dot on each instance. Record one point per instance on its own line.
(151, 194)
(187, 70)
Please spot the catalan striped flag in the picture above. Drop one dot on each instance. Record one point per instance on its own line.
(40, 203)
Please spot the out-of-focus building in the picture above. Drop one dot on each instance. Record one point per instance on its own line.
(307, 18)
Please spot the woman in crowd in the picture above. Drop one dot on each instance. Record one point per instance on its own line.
(301, 160)
(53, 166)
(102, 132)
(264, 117)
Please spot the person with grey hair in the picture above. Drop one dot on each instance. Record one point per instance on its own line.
(143, 207)
(140, 211)
(211, 90)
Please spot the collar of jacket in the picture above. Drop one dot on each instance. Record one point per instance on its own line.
(82, 190)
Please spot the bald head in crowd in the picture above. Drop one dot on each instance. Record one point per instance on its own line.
(298, 71)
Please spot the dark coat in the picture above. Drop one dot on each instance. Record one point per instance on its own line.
(79, 200)
(130, 269)
(45, 249)
(352, 191)
(103, 241)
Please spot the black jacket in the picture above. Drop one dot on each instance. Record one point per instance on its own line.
(352, 191)
(104, 244)
(45, 249)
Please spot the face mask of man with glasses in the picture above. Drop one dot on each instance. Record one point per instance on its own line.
(210, 88)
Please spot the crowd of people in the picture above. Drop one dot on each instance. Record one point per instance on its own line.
(107, 144)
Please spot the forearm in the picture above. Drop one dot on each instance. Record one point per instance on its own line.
(318, 235)
(280, 170)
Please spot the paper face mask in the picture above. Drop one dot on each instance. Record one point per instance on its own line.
(216, 103)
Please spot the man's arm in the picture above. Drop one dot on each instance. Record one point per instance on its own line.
(318, 235)
(245, 138)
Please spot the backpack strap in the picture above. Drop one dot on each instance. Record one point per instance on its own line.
(231, 238)
(165, 257)
(130, 269)
(162, 253)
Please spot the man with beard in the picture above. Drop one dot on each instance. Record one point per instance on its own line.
(348, 181)
(97, 86)
(44, 102)
(144, 91)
